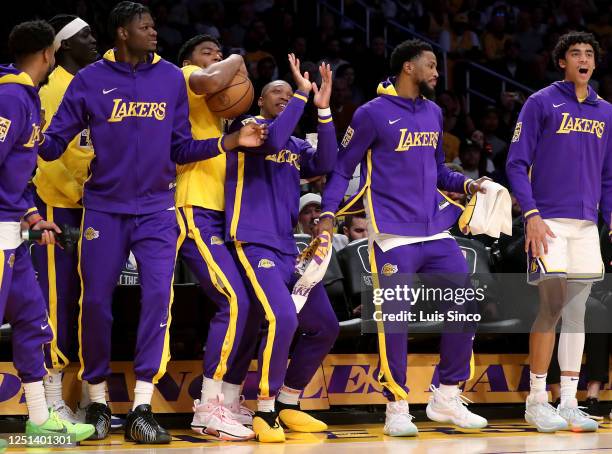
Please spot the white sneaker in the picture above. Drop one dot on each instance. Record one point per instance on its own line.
(212, 418)
(577, 420)
(453, 409)
(398, 421)
(64, 412)
(542, 415)
(241, 413)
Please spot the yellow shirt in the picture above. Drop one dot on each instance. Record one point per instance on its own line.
(201, 183)
(59, 183)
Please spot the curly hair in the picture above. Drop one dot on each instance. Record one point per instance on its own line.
(407, 51)
(30, 37)
(568, 40)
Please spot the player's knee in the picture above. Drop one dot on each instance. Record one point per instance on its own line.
(285, 323)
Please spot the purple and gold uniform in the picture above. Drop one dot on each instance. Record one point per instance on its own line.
(399, 144)
(262, 199)
(200, 200)
(555, 127)
(138, 122)
(21, 299)
(59, 190)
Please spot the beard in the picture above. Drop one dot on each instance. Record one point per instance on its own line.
(45, 80)
(426, 90)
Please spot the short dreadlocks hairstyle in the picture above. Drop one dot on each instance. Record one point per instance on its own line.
(122, 14)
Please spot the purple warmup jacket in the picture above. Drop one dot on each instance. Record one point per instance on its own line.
(399, 144)
(19, 137)
(566, 146)
(262, 185)
(139, 124)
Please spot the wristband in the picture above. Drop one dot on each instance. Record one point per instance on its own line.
(324, 112)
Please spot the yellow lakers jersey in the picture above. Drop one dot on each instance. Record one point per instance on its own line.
(59, 183)
(201, 183)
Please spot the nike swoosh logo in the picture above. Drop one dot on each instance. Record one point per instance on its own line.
(106, 92)
(43, 327)
(558, 105)
(163, 325)
(394, 121)
(63, 430)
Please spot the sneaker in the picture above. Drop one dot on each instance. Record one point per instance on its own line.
(55, 425)
(241, 413)
(398, 421)
(141, 427)
(116, 421)
(212, 418)
(98, 415)
(542, 415)
(298, 421)
(267, 428)
(593, 408)
(65, 413)
(577, 420)
(453, 409)
(3, 444)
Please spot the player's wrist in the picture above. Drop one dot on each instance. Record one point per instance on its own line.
(324, 111)
(531, 214)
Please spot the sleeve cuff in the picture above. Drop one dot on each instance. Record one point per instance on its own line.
(466, 185)
(30, 212)
(301, 95)
(220, 145)
(325, 119)
(327, 214)
(531, 213)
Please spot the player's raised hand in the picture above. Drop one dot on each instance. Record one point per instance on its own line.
(322, 95)
(302, 81)
(252, 135)
(535, 236)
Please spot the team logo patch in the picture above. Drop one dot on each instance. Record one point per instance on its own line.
(5, 124)
(348, 135)
(533, 265)
(388, 269)
(265, 263)
(91, 234)
(11, 260)
(517, 131)
(248, 120)
(215, 240)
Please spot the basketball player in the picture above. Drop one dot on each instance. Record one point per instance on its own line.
(397, 137)
(21, 298)
(566, 124)
(263, 192)
(135, 106)
(200, 200)
(59, 190)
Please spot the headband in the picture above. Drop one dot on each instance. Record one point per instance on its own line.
(68, 31)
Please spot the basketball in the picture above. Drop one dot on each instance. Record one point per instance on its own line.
(233, 100)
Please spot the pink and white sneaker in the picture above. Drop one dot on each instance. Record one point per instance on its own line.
(212, 418)
(241, 413)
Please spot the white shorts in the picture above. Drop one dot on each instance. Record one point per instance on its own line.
(575, 253)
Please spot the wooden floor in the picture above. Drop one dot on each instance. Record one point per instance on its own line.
(499, 437)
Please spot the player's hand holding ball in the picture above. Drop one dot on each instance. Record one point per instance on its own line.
(302, 81)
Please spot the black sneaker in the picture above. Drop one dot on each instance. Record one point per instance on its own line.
(280, 406)
(557, 402)
(141, 427)
(592, 407)
(98, 415)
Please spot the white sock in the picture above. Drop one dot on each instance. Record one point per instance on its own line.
(85, 400)
(231, 394)
(569, 387)
(449, 390)
(265, 404)
(36, 402)
(210, 389)
(97, 392)
(143, 393)
(537, 383)
(289, 396)
(53, 387)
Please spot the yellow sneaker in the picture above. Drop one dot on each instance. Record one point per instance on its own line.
(299, 421)
(267, 428)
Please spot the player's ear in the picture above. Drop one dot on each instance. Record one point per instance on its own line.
(122, 33)
(407, 67)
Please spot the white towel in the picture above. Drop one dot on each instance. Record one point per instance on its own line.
(10, 236)
(489, 213)
(311, 264)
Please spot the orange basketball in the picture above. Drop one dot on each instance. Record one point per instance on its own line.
(233, 100)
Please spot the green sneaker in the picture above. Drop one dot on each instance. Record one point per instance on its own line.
(57, 426)
(3, 444)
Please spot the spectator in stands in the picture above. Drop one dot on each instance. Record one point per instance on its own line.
(310, 209)
(460, 40)
(237, 32)
(436, 19)
(342, 106)
(457, 123)
(528, 37)
(347, 72)
(511, 65)
(510, 104)
(355, 227)
(496, 35)
(332, 54)
(489, 124)
(473, 160)
(373, 68)
(602, 27)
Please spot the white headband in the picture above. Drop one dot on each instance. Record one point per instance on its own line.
(68, 31)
